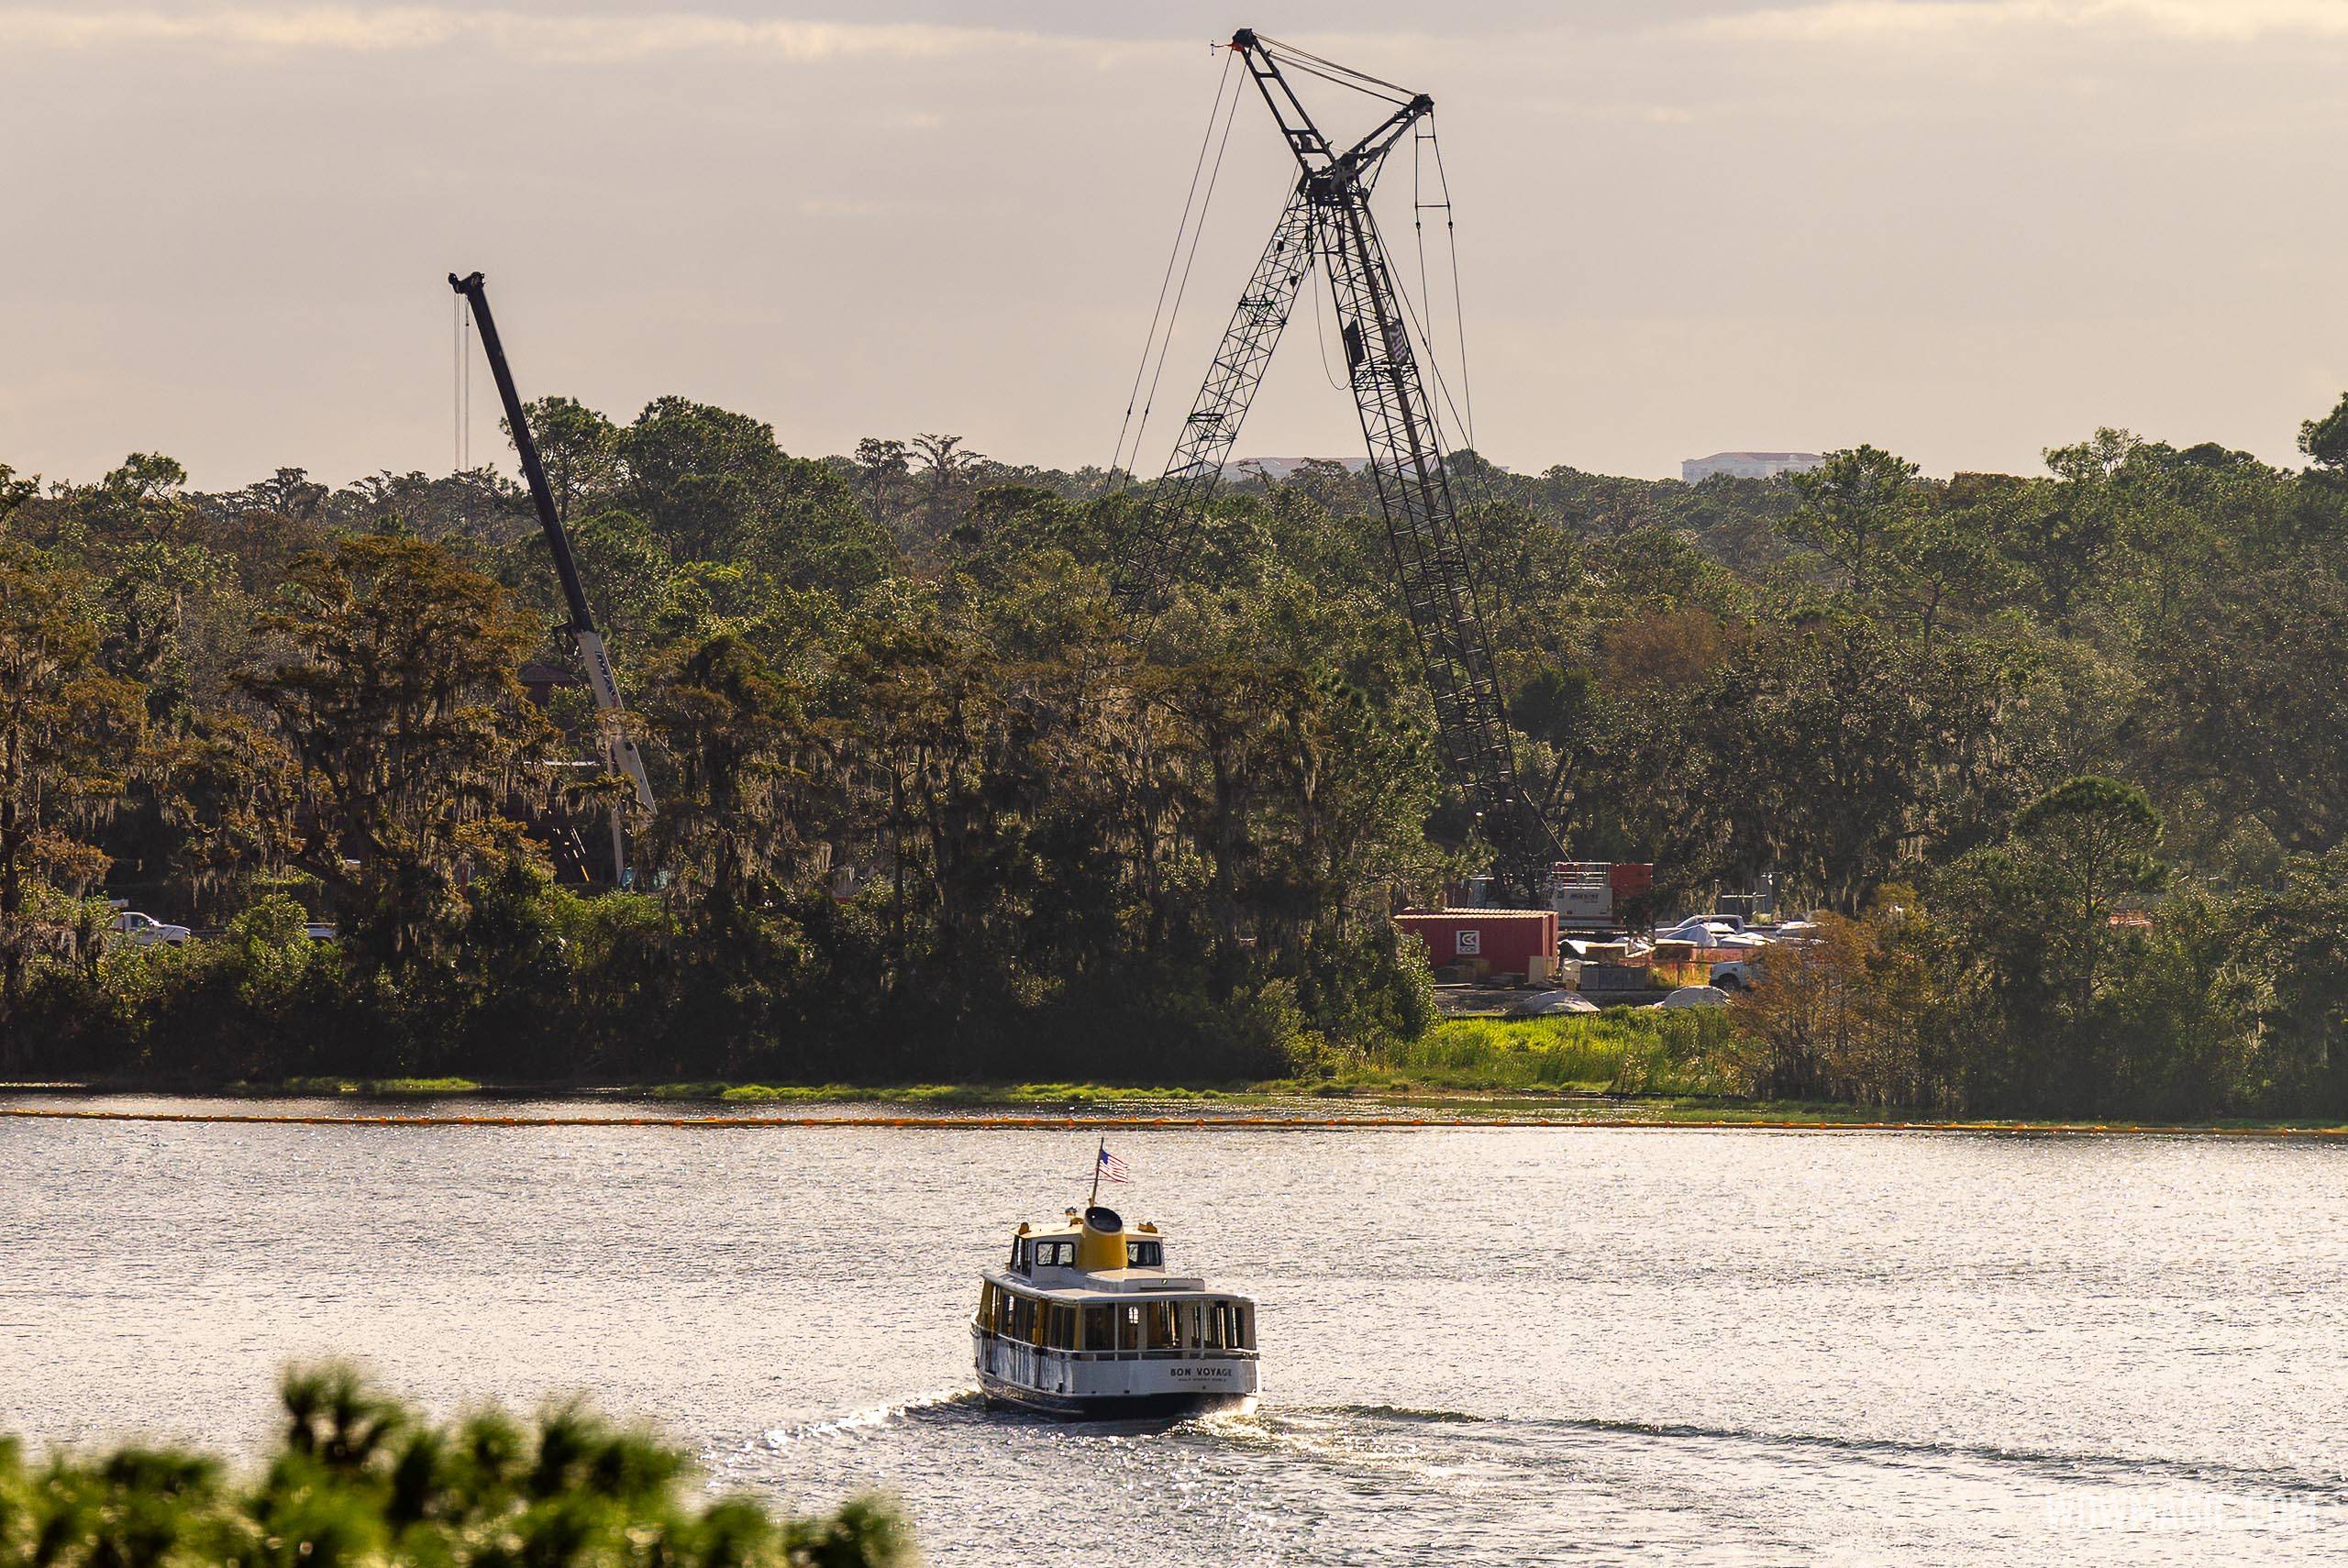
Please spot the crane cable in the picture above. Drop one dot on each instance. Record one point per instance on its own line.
(1182, 285)
(1118, 462)
(464, 386)
(1451, 239)
(456, 383)
(1411, 309)
(1321, 341)
(1330, 70)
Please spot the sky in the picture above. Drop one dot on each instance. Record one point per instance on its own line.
(1965, 230)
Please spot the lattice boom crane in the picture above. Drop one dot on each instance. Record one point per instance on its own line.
(1327, 223)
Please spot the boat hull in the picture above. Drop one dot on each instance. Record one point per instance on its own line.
(1111, 1386)
(1163, 1407)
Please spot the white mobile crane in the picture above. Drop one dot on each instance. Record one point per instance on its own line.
(618, 748)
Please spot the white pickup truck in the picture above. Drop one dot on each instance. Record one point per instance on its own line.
(1739, 974)
(144, 930)
(1753, 969)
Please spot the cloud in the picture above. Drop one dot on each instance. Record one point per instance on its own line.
(1862, 21)
(357, 29)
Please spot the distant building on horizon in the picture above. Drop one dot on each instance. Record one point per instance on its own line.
(1280, 469)
(1749, 465)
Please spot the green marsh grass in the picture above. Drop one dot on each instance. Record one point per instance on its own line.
(387, 1088)
(1627, 1051)
(928, 1094)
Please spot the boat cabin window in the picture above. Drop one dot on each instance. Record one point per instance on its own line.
(1028, 1254)
(1129, 1328)
(1062, 1334)
(1099, 1333)
(1010, 1316)
(1158, 1322)
(1144, 1254)
(1219, 1325)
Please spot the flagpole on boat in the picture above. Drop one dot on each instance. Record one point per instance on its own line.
(1094, 1200)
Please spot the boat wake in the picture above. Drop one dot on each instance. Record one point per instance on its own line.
(943, 1403)
(1380, 1436)
(2056, 1463)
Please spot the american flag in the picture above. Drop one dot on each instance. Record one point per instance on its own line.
(1113, 1169)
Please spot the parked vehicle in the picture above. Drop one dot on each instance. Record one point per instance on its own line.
(1744, 974)
(1590, 896)
(1551, 1004)
(144, 930)
(1734, 974)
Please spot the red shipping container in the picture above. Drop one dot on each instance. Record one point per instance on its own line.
(1506, 940)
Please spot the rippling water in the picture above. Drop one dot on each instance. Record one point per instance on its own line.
(1482, 1346)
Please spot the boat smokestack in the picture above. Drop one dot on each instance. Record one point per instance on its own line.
(1100, 1242)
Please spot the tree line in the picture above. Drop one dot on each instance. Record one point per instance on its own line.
(2065, 748)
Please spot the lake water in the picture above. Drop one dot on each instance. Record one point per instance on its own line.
(1487, 1346)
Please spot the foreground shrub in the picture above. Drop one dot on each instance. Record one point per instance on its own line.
(359, 1479)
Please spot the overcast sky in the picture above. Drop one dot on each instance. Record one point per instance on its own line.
(1963, 229)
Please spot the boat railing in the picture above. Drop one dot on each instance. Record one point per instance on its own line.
(1173, 1353)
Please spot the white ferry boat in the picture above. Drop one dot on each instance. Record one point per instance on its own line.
(1083, 1320)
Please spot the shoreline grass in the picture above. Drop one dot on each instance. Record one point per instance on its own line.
(1620, 1066)
(934, 1094)
(368, 1088)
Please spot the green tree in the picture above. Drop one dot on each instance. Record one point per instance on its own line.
(2090, 846)
(2233, 713)
(2033, 921)
(2301, 929)
(884, 480)
(949, 476)
(2325, 441)
(227, 791)
(390, 673)
(358, 1479)
(703, 477)
(15, 490)
(2061, 534)
(737, 741)
(580, 450)
(1853, 509)
(69, 734)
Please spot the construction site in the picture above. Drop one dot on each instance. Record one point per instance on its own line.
(1537, 922)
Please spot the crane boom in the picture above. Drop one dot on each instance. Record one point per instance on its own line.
(1168, 518)
(1331, 208)
(619, 748)
(1424, 537)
